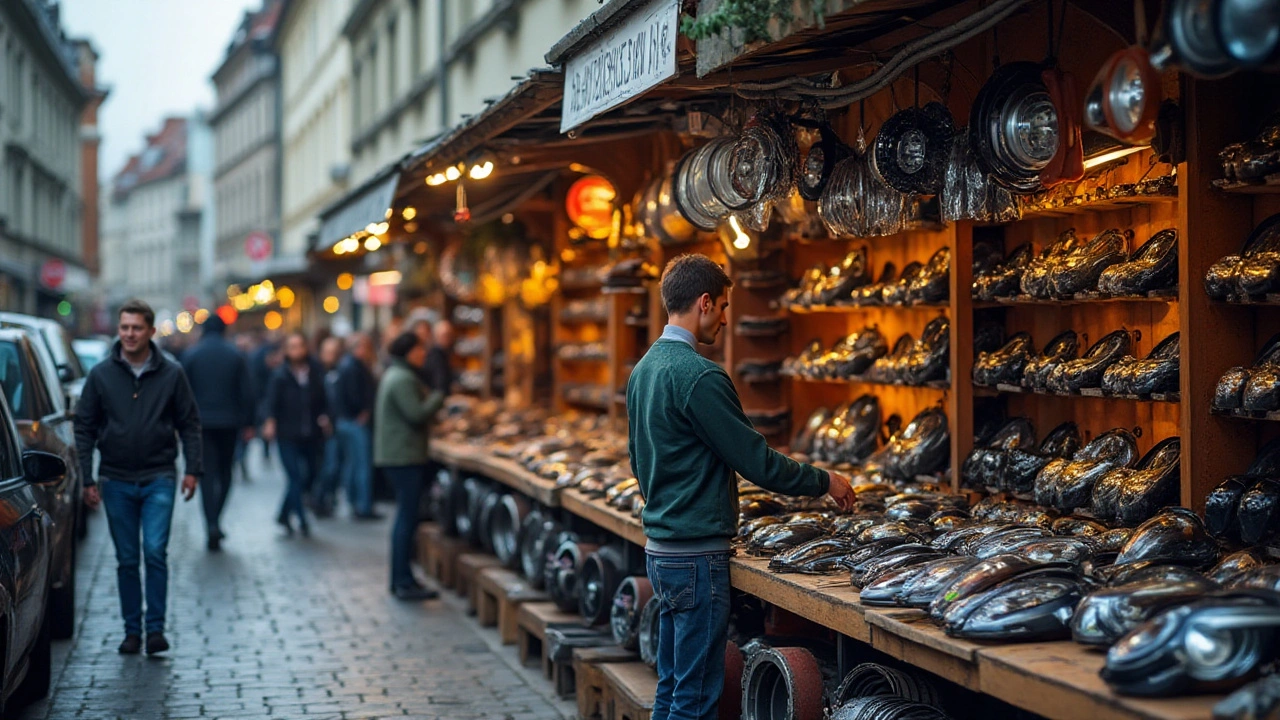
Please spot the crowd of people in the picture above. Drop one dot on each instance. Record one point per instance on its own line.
(333, 410)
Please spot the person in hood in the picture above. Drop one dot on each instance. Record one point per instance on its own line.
(219, 379)
(134, 407)
(298, 418)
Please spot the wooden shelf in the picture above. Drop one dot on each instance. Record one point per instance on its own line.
(1270, 300)
(1245, 415)
(625, 290)
(1269, 186)
(1163, 298)
(603, 516)
(850, 309)
(1091, 393)
(636, 322)
(1094, 206)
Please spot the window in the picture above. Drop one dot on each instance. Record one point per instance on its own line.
(357, 112)
(16, 389)
(393, 63)
(415, 38)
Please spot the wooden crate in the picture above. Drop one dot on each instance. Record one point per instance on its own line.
(499, 594)
(438, 554)
(531, 631)
(589, 675)
(469, 567)
(629, 690)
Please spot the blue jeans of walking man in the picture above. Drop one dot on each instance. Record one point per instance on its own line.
(692, 592)
(356, 463)
(407, 481)
(139, 515)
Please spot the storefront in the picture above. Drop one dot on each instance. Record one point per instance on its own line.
(1008, 264)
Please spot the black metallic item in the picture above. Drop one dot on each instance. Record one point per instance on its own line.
(875, 680)
(978, 577)
(691, 186)
(783, 683)
(1072, 376)
(1175, 535)
(1156, 373)
(1236, 564)
(1255, 389)
(1254, 272)
(1254, 160)
(1258, 700)
(1106, 615)
(912, 149)
(886, 707)
(920, 448)
(1064, 347)
(648, 634)
(565, 571)
(629, 602)
(1213, 644)
(838, 284)
(1013, 126)
(1021, 610)
(1036, 279)
(1152, 267)
(1259, 511)
(1212, 38)
(1006, 364)
(814, 557)
(819, 162)
(1066, 485)
(933, 283)
(929, 358)
(1003, 280)
(1124, 99)
(1080, 269)
(505, 529)
(1134, 495)
(598, 581)
(661, 218)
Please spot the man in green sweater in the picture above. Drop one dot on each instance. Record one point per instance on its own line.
(688, 436)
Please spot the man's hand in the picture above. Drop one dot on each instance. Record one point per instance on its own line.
(325, 426)
(92, 498)
(188, 487)
(841, 490)
(269, 429)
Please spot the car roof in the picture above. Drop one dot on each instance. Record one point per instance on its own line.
(47, 366)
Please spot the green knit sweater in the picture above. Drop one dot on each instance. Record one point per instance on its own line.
(688, 435)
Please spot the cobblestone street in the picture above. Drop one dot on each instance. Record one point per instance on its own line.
(284, 628)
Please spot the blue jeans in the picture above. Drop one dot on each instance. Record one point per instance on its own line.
(693, 627)
(356, 444)
(144, 510)
(300, 458)
(330, 469)
(407, 481)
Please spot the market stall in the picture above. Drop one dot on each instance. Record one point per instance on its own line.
(1010, 265)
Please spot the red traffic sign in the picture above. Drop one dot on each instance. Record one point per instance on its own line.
(52, 273)
(257, 245)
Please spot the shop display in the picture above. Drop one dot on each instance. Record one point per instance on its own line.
(912, 149)
(629, 602)
(1255, 160)
(1014, 127)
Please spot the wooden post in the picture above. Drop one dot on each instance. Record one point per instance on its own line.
(960, 399)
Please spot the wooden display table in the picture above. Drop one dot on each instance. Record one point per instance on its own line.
(438, 553)
(499, 594)
(607, 518)
(629, 690)
(477, 460)
(532, 621)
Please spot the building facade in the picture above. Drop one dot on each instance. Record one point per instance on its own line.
(41, 99)
(157, 218)
(418, 67)
(316, 107)
(245, 124)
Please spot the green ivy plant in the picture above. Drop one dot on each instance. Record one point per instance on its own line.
(750, 17)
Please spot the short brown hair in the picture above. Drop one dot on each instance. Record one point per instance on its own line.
(687, 277)
(138, 307)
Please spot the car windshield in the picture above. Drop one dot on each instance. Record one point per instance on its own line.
(63, 355)
(15, 388)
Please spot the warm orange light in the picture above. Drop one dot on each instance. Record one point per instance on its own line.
(345, 280)
(331, 305)
(228, 314)
(589, 204)
(273, 320)
(285, 297)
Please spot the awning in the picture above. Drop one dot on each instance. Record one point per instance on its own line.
(363, 205)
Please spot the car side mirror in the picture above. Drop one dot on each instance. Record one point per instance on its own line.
(42, 468)
(64, 373)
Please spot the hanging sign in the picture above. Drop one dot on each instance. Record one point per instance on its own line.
(625, 61)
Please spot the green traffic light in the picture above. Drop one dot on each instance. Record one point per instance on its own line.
(64, 308)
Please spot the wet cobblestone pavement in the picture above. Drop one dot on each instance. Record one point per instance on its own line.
(284, 628)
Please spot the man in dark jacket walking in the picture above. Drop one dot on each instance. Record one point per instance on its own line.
(131, 407)
(219, 379)
(351, 407)
(297, 416)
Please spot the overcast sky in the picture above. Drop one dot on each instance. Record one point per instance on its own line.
(157, 56)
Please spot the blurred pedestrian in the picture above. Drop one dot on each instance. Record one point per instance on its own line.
(324, 498)
(403, 412)
(296, 419)
(352, 410)
(439, 363)
(244, 343)
(219, 379)
(132, 407)
(262, 365)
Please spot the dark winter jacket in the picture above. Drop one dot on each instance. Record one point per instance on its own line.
(297, 409)
(437, 371)
(219, 379)
(132, 421)
(354, 391)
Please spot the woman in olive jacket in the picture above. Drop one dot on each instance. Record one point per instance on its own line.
(402, 419)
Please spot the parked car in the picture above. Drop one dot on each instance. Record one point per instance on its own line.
(44, 423)
(69, 374)
(25, 555)
(91, 351)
